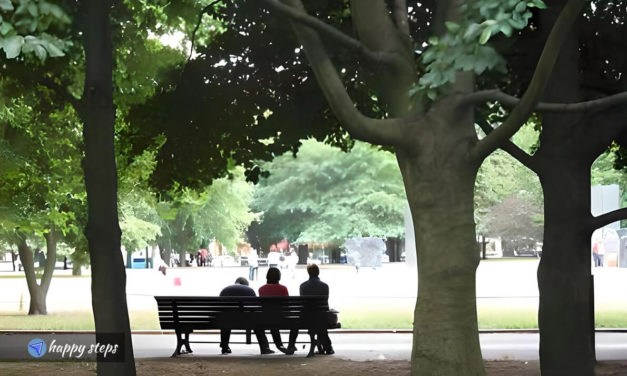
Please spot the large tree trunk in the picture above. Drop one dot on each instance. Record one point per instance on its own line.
(564, 316)
(440, 188)
(565, 320)
(103, 230)
(76, 268)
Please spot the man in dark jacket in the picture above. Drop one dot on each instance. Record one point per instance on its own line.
(240, 288)
(314, 286)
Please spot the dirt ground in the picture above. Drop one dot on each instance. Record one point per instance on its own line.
(279, 366)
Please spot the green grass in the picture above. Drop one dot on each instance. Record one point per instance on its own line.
(489, 318)
(79, 320)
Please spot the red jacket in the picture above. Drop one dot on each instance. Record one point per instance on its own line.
(273, 289)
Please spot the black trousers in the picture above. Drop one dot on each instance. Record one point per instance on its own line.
(322, 337)
(225, 335)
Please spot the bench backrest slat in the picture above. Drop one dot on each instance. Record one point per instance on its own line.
(283, 312)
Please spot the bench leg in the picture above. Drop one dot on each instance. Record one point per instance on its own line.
(248, 337)
(180, 342)
(312, 337)
(187, 348)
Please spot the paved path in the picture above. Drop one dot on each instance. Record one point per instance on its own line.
(378, 346)
(347, 345)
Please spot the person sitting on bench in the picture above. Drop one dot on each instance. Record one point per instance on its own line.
(274, 288)
(313, 286)
(240, 288)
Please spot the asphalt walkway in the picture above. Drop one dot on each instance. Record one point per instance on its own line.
(347, 344)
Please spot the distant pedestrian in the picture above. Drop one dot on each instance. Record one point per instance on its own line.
(253, 264)
(292, 261)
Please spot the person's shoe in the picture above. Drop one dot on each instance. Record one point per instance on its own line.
(226, 350)
(282, 349)
(266, 352)
(329, 351)
(290, 350)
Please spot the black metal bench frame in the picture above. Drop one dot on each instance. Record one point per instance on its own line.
(185, 314)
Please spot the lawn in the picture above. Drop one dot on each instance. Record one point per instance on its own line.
(489, 318)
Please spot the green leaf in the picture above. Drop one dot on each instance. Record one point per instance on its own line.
(6, 5)
(452, 27)
(5, 28)
(12, 46)
(53, 51)
(520, 7)
(485, 35)
(506, 29)
(32, 9)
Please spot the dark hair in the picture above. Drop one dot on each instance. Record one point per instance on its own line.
(273, 276)
(313, 270)
(241, 281)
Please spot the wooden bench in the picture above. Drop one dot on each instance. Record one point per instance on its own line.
(185, 314)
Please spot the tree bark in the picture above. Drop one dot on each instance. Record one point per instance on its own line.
(446, 340)
(38, 292)
(76, 268)
(103, 230)
(564, 317)
(439, 183)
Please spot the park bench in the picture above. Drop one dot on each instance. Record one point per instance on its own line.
(185, 314)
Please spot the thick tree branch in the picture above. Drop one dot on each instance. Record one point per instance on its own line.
(510, 147)
(204, 10)
(336, 35)
(520, 113)
(399, 13)
(390, 132)
(607, 218)
(507, 100)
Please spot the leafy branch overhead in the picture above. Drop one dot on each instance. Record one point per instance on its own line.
(29, 27)
(457, 49)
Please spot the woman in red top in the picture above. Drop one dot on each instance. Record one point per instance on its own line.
(273, 288)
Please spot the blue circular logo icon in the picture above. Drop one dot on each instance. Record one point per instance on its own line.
(37, 348)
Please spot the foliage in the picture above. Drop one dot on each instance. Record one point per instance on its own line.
(326, 194)
(219, 211)
(33, 28)
(463, 46)
(42, 184)
(242, 97)
(501, 177)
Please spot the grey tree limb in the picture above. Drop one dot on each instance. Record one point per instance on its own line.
(390, 132)
(334, 34)
(607, 218)
(520, 113)
(510, 101)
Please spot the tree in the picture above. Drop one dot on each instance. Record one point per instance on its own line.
(326, 195)
(569, 143)
(219, 211)
(436, 147)
(432, 133)
(262, 86)
(41, 183)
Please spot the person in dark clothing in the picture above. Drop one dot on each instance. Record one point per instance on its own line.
(313, 286)
(274, 288)
(240, 288)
